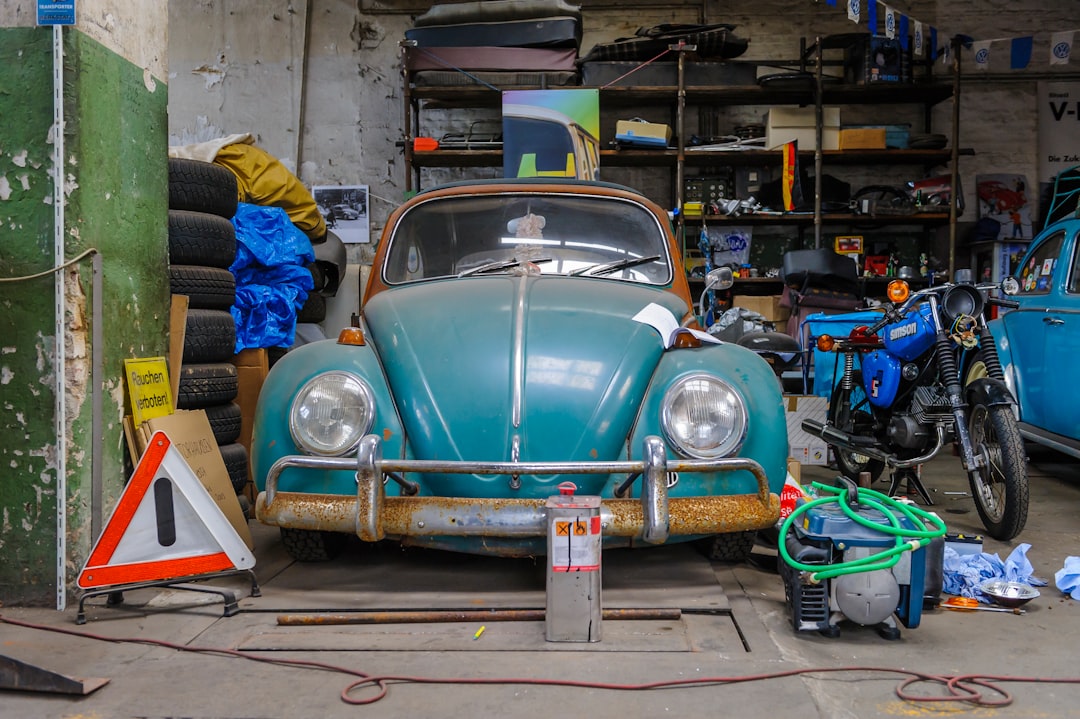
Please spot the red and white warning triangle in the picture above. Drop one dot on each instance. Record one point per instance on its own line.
(165, 526)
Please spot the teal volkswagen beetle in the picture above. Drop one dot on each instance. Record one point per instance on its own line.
(517, 335)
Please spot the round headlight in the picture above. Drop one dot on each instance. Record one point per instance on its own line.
(703, 417)
(331, 413)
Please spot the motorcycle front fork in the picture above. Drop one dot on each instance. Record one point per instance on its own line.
(950, 371)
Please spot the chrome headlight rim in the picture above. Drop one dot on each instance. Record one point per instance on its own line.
(730, 445)
(364, 391)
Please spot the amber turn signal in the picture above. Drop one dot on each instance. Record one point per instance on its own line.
(685, 341)
(825, 343)
(351, 336)
(898, 291)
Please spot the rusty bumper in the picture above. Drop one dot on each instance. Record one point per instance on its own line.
(373, 516)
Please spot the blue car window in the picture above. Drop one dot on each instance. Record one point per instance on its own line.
(562, 234)
(1073, 286)
(1037, 273)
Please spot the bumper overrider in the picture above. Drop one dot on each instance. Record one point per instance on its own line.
(373, 516)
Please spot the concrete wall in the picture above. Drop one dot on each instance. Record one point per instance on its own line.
(115, 199)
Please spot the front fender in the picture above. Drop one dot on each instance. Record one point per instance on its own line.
(766, 434)
(988, 392)
(271, 438)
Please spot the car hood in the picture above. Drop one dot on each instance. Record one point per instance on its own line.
(534, 368)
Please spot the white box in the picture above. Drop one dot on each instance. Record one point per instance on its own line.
(785, 124)
(806, 448)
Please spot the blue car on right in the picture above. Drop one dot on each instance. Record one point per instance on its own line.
(1039, 342)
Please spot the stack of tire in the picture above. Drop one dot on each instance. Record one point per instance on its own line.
(202, 246)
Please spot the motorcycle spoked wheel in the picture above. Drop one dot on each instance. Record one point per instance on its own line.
(1000, 486)
(846, 418)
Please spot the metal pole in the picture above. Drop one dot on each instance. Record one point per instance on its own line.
(820, 131)
(60, 326)
(97, 379)
(954, 180)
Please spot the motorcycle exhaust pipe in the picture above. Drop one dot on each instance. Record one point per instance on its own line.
(843, 440)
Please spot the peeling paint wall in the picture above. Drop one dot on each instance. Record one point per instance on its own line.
(115, 187)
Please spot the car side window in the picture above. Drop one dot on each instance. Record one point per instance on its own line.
(1073, 286)
(1037, 273)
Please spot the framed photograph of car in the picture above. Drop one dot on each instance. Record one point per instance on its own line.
(345, 209)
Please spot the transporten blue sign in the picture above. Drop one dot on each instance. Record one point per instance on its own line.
(55, 13)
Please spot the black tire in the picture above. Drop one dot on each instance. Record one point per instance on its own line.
(317, 276)
(199, 238)
(1000, 487)
(210, 336)
(734, 547)
(207, 288)
(236, 462)
(225, 422)
(202, 187)
(856, 422)
(305, 545)
(314, 309)
(205, 385)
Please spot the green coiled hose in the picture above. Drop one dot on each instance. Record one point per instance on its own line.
(907, 540)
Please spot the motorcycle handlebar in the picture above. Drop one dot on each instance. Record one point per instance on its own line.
(1011, 304)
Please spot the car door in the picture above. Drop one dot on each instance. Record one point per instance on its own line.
(1061, 325)
(1036, 371)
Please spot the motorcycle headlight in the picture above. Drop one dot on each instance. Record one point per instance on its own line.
(331, 413)
(704, 417)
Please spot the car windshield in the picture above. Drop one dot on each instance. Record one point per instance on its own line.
(568, 234)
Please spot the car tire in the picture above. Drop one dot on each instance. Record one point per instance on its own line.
(205, 385)
(305, 545)
(314, 309)
(207, 288)
(225, 421)
(199, 238)
(733, 548)
(235, 456)
(210, 336)
(202, 187)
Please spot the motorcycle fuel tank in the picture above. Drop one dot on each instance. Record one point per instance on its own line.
(913, 336)
(881, 377)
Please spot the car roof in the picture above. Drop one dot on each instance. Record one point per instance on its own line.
(525, 181)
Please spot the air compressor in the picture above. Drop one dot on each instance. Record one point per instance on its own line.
(859, 555)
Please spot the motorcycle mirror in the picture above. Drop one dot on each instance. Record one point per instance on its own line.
(719, 279)
(1010, 286)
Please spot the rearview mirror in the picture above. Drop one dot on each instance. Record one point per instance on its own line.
(719, 279)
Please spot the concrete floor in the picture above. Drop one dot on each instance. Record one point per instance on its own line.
(734, 624)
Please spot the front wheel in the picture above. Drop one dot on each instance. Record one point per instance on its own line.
(1000, 484)
(858, 423)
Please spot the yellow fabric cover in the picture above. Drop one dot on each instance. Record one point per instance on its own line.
(261, 179)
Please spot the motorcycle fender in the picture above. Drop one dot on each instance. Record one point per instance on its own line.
(988, 392)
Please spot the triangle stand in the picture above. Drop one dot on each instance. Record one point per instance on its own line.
(166, 531)
(116, 592)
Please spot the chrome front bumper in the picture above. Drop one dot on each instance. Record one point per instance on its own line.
(372, 516)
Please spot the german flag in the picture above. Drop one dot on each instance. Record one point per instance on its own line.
(792, 187)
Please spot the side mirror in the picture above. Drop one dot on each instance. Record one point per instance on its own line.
(719, 279)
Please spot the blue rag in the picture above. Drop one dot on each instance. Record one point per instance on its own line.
(1067, 578)
(963, 573)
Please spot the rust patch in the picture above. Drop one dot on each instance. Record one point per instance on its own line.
(593, 453)
(387, 434)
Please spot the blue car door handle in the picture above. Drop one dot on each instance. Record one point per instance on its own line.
(1053, 321)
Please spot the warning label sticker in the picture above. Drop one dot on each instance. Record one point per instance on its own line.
(575, 544)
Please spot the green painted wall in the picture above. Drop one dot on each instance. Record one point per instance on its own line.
(115, 173)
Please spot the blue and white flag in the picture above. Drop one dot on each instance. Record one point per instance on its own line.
(981, 52)
(871, 16)
(1061, 47)
(890, 22)
(919, 40)
(905, 33)
(1020, 52)
(854, 10)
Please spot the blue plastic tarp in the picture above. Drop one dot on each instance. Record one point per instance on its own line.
(272, 279)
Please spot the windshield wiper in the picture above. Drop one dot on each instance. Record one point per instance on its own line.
(501, 265)
(608, 267)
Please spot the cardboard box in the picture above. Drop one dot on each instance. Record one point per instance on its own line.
(252, 366)
(806, 448)
(862, 138)
(190, 433)
(768, 306)
(645, 134)
(785, 124)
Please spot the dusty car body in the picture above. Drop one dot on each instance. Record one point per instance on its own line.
(1040, 340)
(503, 350)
